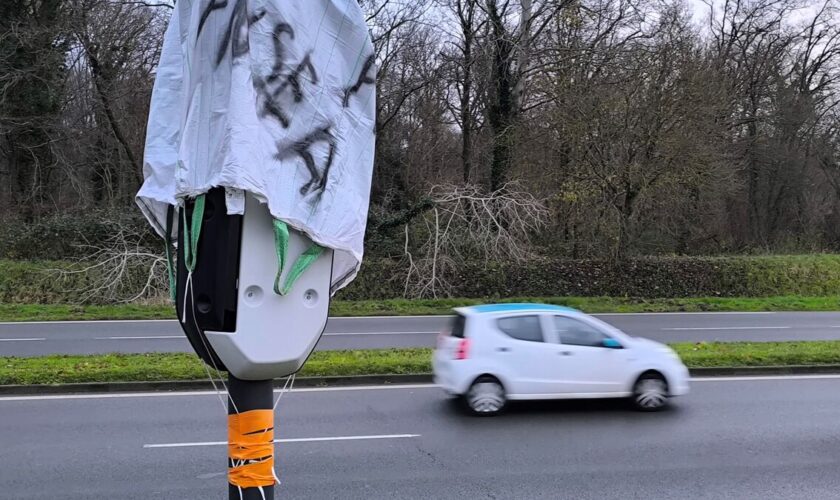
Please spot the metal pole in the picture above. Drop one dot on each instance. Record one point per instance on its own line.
(249, 395)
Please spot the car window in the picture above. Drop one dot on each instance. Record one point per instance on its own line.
(574, 332)
(457, 326)
(522, 327)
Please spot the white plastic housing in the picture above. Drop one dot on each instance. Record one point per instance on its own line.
(274, 334)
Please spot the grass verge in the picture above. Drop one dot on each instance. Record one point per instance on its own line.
(70, 312)
(157, 367)
(404, 307)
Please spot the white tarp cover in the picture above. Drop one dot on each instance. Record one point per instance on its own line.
(273, 97)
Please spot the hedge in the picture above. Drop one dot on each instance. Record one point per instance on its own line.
(68, 235)
(651, 277)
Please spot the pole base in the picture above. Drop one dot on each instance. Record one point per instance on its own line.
(247, 395)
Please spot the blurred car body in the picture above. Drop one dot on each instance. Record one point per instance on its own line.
(499, 352)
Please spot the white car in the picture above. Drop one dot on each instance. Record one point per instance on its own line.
(501, 352)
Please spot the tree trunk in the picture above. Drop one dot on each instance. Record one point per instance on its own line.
(466, 95)
(626, 211)
(500, 110)
(98, 77)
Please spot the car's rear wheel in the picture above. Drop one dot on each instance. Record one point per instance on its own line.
(485, 397)
(650, 393)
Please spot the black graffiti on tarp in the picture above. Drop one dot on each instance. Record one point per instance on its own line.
(279, 52)
(303, 149)
(272, 87)
(293, 79)
(282, 81)
(279, 83)
(269, 106)
(236, 34)
(235, 24)
(364, 79)
(208, 9)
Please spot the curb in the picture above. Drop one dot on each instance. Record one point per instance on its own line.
(764, 370)
(358, 380)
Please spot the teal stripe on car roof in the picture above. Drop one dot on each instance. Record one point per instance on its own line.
(496, 308)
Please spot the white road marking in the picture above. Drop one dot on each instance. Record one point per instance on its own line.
(211, 475)
(175, 321)
(677, 313)
(149, 337)
(289, 440)
(350, 318)
(330, 334)
(361, 388)
(87, 322)
(728, 328)
(391, 317)
(120, 395)
(21, 340)
(759, 378)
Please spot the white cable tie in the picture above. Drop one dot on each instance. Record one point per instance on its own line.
(290, 378)
(189, 292)
(186, 293)
(213, 361)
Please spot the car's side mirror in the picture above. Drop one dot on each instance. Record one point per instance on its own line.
(612, 344)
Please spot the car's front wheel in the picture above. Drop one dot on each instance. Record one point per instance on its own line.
(650, 393)
(485, 397)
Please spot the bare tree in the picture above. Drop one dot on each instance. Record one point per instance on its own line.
(510, 35)
(781, 75)
(466, 224)
(32, 47)
(638, 129)
(119, 44)
(120, 269)
(462, 60)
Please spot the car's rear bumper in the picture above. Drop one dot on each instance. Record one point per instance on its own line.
(679, 383)
(446, 385)
(447, 376)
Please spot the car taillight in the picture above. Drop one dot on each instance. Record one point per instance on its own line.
(463, 348)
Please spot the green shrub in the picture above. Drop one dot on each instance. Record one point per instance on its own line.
(649, 277)
(69, 235)
(49, 282)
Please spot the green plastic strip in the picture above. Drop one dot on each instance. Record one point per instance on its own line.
(306, 259)
(170, 266)
(302, 263)
(192, 233)
(281, 245)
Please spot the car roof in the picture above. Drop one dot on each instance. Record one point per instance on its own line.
(514, 308)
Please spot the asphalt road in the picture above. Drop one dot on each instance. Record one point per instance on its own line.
(730, 439)
(35, 339)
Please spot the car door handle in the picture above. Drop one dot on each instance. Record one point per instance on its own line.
(565, 353)
(503, 349)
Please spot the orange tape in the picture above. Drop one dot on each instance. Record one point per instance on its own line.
(251, 440)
